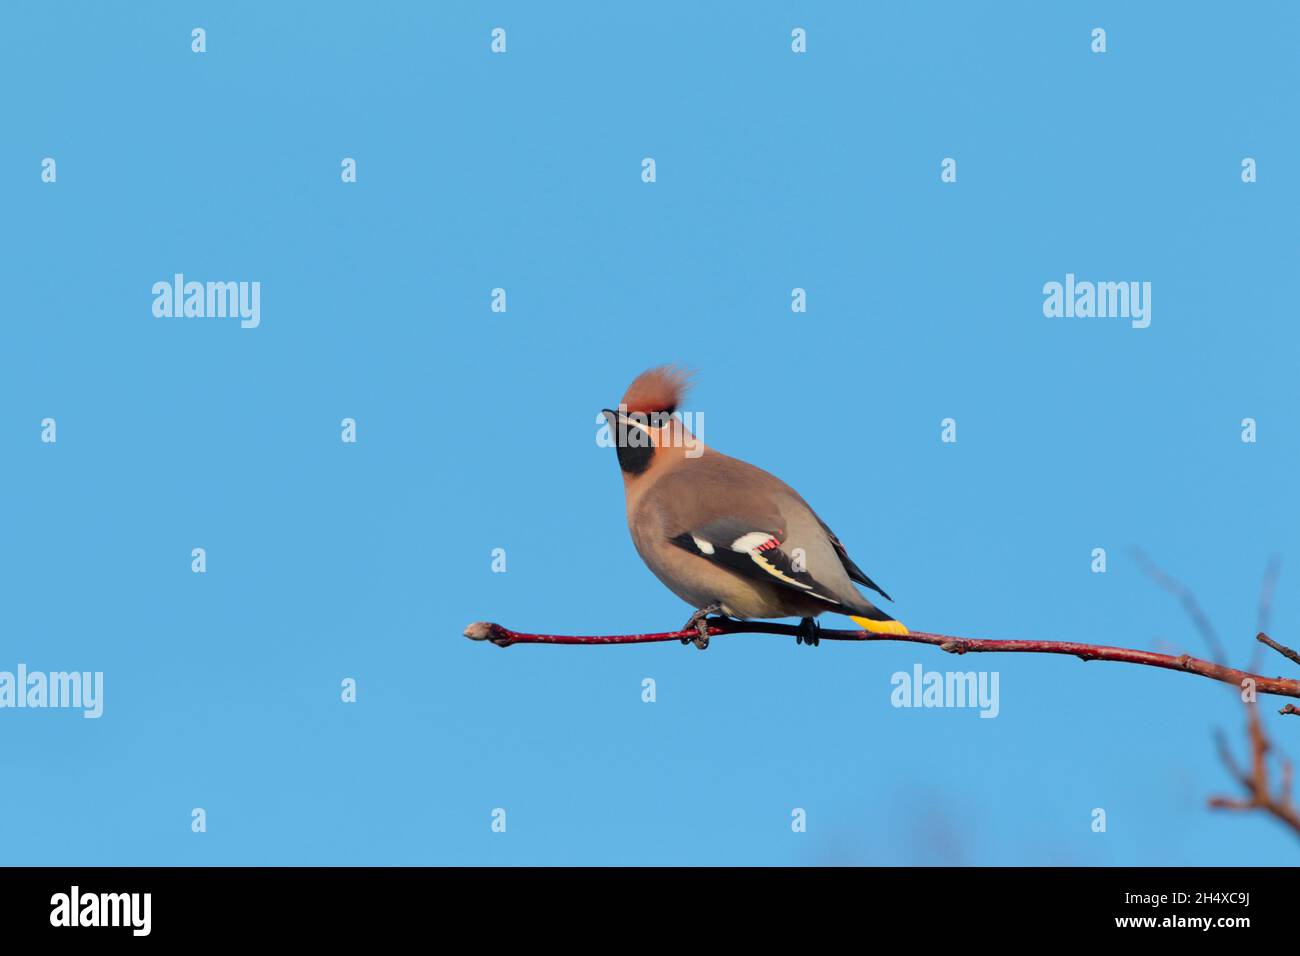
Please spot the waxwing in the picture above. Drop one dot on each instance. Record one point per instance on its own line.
(724, 536)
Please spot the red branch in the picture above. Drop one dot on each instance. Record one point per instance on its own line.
(502, 637)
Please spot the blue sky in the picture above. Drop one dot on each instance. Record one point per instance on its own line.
(476, 430)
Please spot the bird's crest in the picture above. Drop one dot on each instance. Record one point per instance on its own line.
(658, 389)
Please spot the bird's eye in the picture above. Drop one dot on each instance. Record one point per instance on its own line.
(660, 419)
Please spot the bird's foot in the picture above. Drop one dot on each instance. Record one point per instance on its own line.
(699, 623)
(809, 633)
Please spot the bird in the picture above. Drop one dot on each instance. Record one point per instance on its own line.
(723, 535)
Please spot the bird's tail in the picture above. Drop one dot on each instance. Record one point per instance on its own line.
(877, 621)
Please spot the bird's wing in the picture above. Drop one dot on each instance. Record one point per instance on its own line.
(755, 553)
(855, 572)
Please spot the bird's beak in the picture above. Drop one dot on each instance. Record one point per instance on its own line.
(611, 417)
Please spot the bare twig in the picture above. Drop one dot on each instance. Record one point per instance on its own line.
(1284, 687)
(1259, 792)
(1188, 600)
(1280, 648)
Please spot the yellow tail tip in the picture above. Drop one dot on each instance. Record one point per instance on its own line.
(879, 627)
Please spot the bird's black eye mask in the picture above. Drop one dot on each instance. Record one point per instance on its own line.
(634, 445)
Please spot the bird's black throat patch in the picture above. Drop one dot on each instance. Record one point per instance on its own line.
(634, 459)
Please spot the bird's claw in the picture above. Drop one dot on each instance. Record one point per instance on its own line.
(809, 633)
(699, 623)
